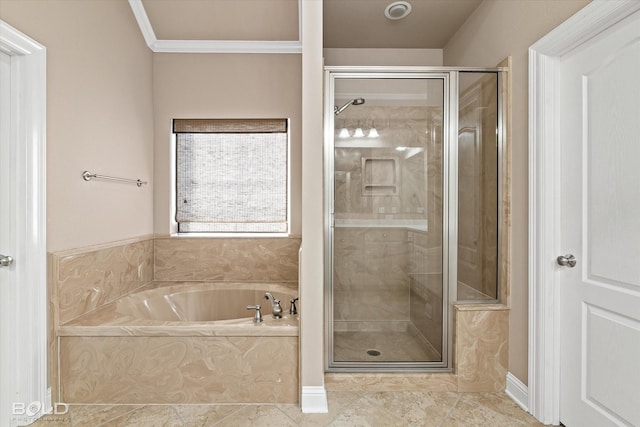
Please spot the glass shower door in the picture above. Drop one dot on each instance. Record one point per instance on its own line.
(387, 164)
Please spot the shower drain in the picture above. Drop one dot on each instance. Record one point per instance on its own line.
(373, 352)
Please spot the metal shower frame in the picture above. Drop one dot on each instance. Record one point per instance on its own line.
(449, 203)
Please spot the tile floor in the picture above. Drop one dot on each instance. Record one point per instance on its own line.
(387, 409)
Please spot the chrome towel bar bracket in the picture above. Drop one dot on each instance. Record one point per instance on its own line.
(88, 176)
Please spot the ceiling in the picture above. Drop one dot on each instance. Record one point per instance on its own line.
(362, 24)
(223, 19)
(347, 23)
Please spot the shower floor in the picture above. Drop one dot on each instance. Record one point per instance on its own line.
(399, 343)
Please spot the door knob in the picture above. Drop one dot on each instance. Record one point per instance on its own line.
(567, 260)
(5, 260)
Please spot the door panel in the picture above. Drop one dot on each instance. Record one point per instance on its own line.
(610, 348)
(600, 217)
(387, 292)
(612, 94)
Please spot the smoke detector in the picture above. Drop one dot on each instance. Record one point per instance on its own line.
(397, 10)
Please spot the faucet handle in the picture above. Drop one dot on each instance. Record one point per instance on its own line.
(292, 308)
(258, 317)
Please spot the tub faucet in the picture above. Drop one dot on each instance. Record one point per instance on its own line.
(258, 317)
(276, 308)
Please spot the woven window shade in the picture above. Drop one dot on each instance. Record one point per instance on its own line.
(232, 181)
(229, 126)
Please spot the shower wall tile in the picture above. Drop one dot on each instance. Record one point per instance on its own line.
(490, 183)
(364, 305)
(412, 196)
(147, 370)
(371, 279)
(481, 347)
(227, 259)
(426, 314)
(86, 278)
(378, 325)
(504, 267)
(478, 183)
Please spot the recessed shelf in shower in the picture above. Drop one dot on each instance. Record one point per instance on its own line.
(380, 176)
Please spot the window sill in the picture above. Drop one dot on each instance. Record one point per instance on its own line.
(230, 235)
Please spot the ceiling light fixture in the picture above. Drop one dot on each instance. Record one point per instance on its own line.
(397, 10)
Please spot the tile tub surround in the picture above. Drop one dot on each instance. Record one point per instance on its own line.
(85, 282)
(80, 280)
(227, 259)
(144, 370)
(86, 278)
(137, 350)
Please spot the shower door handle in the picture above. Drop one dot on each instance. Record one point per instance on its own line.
(5, 260)
(567, 260)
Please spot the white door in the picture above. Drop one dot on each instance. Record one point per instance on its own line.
(7, 245)
(23, 341)
(600, 226)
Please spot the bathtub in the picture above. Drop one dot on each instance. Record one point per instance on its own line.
(182, 342)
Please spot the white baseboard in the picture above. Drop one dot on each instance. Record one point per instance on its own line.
(314, 400)
(517, 391)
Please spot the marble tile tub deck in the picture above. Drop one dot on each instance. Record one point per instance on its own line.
(346, 408)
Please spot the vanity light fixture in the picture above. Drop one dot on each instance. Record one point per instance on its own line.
(397, 10)
(358, 133)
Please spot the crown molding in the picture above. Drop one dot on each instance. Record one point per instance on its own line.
(208, 46)
(143, 22)
(225, 46)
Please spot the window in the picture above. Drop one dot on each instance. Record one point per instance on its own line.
(232, 175)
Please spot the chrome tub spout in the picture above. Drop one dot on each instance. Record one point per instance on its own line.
(276, 308)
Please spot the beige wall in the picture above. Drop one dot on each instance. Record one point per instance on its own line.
(357, 57)
(99, 117)
(496, 29)
(223, 86)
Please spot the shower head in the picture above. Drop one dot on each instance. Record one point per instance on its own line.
(357, 101)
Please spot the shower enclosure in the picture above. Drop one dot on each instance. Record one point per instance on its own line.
(411, 196)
